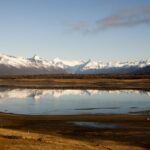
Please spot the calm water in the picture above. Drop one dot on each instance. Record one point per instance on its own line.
(97, 125)
(54, 102)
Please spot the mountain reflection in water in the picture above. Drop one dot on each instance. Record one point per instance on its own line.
(58, 101)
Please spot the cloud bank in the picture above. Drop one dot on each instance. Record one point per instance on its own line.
(123, 18)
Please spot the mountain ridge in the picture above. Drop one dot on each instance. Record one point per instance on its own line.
(36, 65)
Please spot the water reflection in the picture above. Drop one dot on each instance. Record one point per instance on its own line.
(97, 125)
(40, 101)
(39, 93)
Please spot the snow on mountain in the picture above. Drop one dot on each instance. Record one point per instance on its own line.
(10, 65)
(69, 66)
(91, 66)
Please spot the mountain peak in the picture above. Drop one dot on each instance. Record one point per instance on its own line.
(57, 59)
(36, 57)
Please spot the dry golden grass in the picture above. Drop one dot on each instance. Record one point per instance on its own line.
(19, 140)
(141, 82)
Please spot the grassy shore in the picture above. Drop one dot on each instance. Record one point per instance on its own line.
(104, 82)
(19, 132)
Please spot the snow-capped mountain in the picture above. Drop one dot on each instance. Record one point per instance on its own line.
(11, 65)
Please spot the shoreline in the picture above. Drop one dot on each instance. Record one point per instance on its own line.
(42, 87)
(136, 113)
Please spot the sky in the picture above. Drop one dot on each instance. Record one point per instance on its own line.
(76, 29)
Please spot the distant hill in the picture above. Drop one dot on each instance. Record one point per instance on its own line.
(143, 70)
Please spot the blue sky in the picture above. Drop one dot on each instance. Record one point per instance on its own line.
(76, 29)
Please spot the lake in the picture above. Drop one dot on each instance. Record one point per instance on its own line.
(67, 102)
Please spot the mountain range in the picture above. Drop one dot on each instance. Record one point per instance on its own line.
(11, 65)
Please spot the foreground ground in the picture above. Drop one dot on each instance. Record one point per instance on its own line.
(21, 132)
